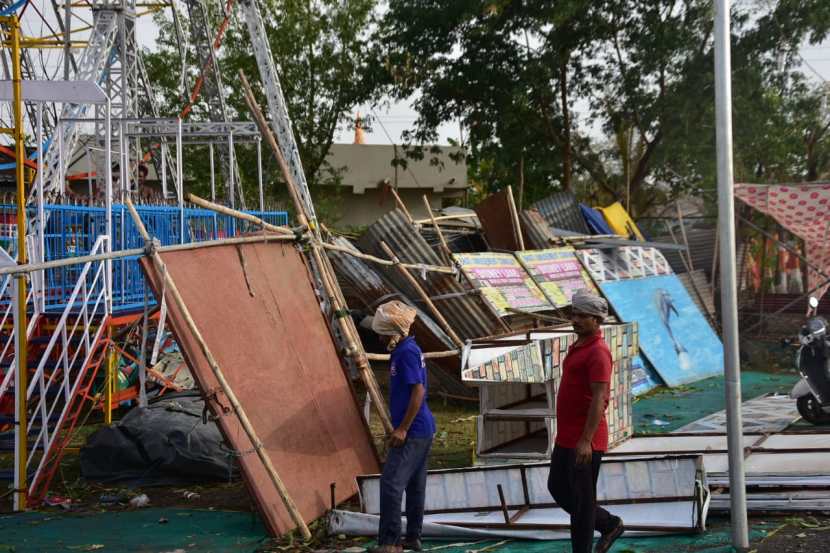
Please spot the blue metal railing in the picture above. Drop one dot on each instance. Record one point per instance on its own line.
(72, 230)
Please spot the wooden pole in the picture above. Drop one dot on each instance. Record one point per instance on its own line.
(325, 271)
(514, 216)
(290, 506)
(683, 235)
(378, 260)
(192, 198)
(427, 355)
(448, 218)
(401, 205)
(445, 249)
(521, 181)
(265, 131)
(414, 283)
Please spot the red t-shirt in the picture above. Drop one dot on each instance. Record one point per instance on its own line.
(585, 363)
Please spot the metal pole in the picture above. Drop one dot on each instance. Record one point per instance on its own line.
(108, 195)
(122, 174)
(231, 176)
(212, 174)
(729, 303)
(90, 165)
(128, 184)
(20, 323)
(59, 128)
(164, 169)
(259, 176)
(41, 216)
(180, 178)
(67, 25)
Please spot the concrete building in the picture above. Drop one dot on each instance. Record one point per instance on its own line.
(368, 172)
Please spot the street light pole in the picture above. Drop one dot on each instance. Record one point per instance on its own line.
(728, 281)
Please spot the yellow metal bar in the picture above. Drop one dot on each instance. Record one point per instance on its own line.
(7, 130)
(22, 376)
(45, 43)
(61, 35)
(110, 383)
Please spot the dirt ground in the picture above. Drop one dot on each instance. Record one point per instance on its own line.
(806, 534)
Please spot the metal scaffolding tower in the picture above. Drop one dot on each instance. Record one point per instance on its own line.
(213, 91)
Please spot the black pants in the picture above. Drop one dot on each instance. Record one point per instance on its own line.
(574, 488)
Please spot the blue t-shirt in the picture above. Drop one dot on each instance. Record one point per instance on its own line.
(406, 369)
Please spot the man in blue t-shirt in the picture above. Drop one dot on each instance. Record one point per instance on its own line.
(406, 462)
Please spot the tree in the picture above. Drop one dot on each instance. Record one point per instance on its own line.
(640, 72)
(321, 54)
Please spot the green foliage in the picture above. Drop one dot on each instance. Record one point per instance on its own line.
(323, 62)
(608, 97)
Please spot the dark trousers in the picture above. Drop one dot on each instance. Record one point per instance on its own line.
(405, 470)
(574, 488)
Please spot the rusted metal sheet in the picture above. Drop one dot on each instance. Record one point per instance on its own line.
(561, 211)
(257, 311)
(458, 303)
(494, 214)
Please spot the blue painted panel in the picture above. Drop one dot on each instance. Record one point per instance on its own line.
(674, 335)
(643, 376)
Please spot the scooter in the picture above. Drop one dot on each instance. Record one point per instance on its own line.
(812, 392)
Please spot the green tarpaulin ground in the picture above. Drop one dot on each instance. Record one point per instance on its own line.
(220, 531)
(679, 406)
(142, 530)
(716, 540)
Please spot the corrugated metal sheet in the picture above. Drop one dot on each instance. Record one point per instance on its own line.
(365, 289)
(494, 214)
(706, 303)
(561, 210)
(701, 248)
(535, 230)
(466, 313)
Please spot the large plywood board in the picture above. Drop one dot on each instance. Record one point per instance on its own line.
(257, 311)
(674, 334)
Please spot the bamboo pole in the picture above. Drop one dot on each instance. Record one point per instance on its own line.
(192, 198)
(514, 216)
(33, 267)
(401, 205)
(414, 283)
(427, 355)
(445, 249)
(683, 235)
(378, 260)
(325, 271)
(265, 131)
(448, 218)
(290, 506)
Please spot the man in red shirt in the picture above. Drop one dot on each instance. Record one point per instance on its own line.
(581, 428)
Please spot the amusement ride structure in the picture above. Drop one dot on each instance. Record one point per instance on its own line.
(85, 131)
